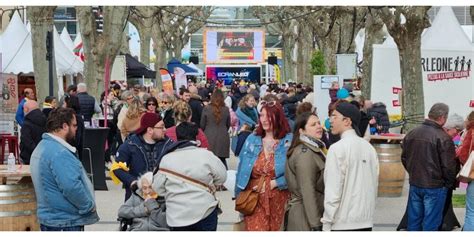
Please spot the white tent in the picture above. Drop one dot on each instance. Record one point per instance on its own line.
(447, 56)
(66, 61)
(15, 47)
(66, 38)
(17, 52)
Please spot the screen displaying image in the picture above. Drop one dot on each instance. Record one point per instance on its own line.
(230, 46)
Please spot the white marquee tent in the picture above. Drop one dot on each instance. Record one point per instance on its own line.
(17, 53)
(66, 38)
(447, 56)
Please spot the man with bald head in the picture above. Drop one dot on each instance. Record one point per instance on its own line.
(28, 94)
(34, 126)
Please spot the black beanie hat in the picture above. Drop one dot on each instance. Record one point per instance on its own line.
(350, 111)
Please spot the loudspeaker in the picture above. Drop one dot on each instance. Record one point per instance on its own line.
(194, 59)
(272, 60)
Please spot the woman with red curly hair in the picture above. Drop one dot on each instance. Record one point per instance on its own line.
(262, 161)
(463, 153)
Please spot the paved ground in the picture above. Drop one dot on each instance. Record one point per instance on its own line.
(388, 213)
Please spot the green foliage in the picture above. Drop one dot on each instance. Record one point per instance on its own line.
(317, 63)
(459, 200)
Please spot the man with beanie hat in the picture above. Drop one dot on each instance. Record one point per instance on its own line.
(350, 176)
(141, 152)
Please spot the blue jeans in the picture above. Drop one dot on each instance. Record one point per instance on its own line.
(72, 228)
(425, 208)
(469, 220)
(207, 224)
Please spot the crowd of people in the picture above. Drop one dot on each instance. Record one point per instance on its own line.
(170, 153)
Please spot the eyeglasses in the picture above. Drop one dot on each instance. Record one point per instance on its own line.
(268, 103)
(165, 102)
(150, 104)
(130, 98)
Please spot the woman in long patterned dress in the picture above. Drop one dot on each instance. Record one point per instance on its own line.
(264, 155)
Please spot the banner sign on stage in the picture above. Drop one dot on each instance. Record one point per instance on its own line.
(9, 88)
(230, 73)
(234, 45)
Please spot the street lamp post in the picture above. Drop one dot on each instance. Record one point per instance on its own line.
(50, 59)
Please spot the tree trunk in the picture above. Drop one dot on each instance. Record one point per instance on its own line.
(178, 46)
(41, 19)
(145, 38)
(305, 50)
(471, 9)
(98, 47)
(125, 47)
(412, 83)
(287, 60)
(407, 36)
(373, 35)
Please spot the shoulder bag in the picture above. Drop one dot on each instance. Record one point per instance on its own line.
(466, 174)
(246, 201)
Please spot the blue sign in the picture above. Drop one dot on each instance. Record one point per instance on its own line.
(229, 74)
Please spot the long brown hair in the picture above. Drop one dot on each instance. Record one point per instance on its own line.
(301, 121)
(217, 102)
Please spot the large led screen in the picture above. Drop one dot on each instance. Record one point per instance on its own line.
(233, 45)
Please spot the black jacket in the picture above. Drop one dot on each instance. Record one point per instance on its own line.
(428, 155)
(133, 153)
(87, 104)
(364, 123)
(379, 112)
(46, 112)
(33, 128)
(168, 119)
(196, 107)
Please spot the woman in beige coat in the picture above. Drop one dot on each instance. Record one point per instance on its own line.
(304, 174)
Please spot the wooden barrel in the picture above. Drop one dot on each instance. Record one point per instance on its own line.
(18, 208)
(391, 170)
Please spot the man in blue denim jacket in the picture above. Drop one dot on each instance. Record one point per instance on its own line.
(64, 194)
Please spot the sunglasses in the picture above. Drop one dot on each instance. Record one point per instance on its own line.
(150, 104)
(165, 102)
(268, 103)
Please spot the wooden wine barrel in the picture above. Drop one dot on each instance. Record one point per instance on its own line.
(17, 200)
(391, 170)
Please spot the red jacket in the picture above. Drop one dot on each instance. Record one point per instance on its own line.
(171, 133)
(463, 151)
